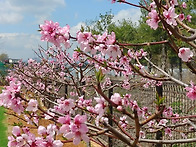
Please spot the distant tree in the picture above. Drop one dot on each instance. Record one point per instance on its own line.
(3, 57)
(100, 24)
(124, 30)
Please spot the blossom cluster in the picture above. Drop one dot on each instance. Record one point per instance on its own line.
(24, 138)
(9, 98)
(53, 33)
(169, 15)
(191, 91)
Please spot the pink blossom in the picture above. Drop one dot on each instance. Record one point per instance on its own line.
(124, 60)
(140, 112)
(16, 131)
(168, 132)
(57, 143)
(119, 108)
(20, 141)
(32, 105)
(113, 51)
(78, 130)
(116, 98)
(125, 100)
(189, 18)
(191, 94)
(80, 120)
(152, 5)
(123, 122)
(76, 56)
(64, 105)
(142, 134)
(170, 16)
(184, 5)
(72, 93)
(11, 142)
(16, 105)
(107, 82)
(68, 104)
(48, 30)
(65, 128)
(181, 17)
(174, 2)
(64, 120)
(31, 62)
(42, 130)
(126, 84)
(102, 38)
(83, 37)
(175, 120)
(88, 47)
(50, 142)
(77, 137)
(53, 33)
(185, 54)
(168, 112)
(163, 122)
(100, 106)
(134, 105)
(151, 123)
(111, 39)
(51, 129)
(153, 19)
(65, 32)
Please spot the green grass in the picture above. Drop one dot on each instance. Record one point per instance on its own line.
(3, 129)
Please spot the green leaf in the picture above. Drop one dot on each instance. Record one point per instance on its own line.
(159, 99)
(125, 51)
(82, 29)
(99, 75)
(105, 64)
(78, 49)
(17, 124)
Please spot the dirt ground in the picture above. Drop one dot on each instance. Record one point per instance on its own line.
(12, 120)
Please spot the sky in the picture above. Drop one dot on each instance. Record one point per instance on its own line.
(20, 19)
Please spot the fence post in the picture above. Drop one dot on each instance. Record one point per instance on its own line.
(159, 134)
(82, 92)
(110, 93)
(66, 91)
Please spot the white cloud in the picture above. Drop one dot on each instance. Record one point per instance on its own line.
(20, 45)
(75, 29)
(13, 11)
(132, 13)
(10, 18)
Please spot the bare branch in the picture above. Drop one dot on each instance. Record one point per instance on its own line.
(166, 74)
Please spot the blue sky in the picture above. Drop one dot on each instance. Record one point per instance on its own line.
(19, 20)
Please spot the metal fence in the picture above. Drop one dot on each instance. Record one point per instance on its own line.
(175, 97)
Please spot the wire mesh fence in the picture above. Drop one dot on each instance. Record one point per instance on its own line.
(175, 97)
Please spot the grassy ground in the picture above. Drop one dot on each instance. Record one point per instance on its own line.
(3, 129)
